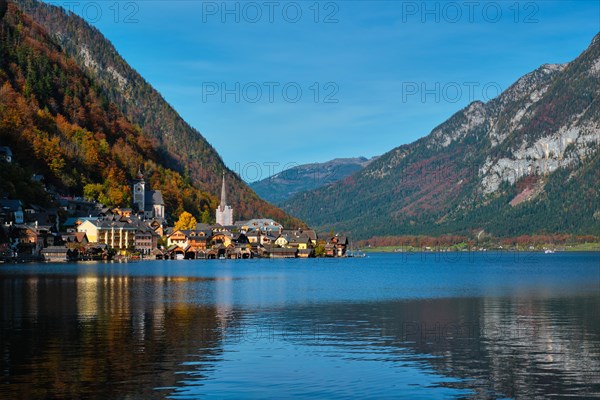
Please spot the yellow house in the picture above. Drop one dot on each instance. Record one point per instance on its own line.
(116, 234)
(302, 242)
(282, 241)
(253, 237)
(179, 238)
(90, 229)
(221, 238)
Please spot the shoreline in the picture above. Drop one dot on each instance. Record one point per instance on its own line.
(372, 250)
(587, 247)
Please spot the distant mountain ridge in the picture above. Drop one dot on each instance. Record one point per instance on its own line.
(179, 146)
(525, 162)
(283, 185)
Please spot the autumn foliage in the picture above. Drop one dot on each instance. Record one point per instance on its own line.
(185, 221)
(59, 124)
(166, 139)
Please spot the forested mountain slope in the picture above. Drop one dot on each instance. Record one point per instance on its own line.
(283, 185)
(72, 90)
(524, 162)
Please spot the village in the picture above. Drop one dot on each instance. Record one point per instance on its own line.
(95, 232)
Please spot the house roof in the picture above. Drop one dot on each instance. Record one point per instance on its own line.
(55, 250)
(196, 233)
(79, 236)
(154, 197)
(264, 224)
(300, 239)
(224, 233)
(282, 250)
(110, 224)
(174, 247)
(24, 227)
(311, 234)
(237, 236)
(287, 238)
(69, 237)
(11, 205)
(70, 221)
(340, 239)
(201, 226)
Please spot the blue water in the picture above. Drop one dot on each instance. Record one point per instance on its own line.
(430, 325)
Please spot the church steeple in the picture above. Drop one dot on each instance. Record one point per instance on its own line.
(223, 193)
(224, 212)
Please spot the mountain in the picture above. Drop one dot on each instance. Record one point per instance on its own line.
(525, 162)
(281, 186)
(59, 124)
(175, 146)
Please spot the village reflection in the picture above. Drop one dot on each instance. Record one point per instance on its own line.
(109, 336)
(143, 337)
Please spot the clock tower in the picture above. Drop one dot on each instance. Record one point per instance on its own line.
(139, 192)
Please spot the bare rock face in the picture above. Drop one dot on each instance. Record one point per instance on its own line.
(565, 147)
(528, 157)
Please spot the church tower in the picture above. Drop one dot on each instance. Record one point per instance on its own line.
(224, 212)
(139, 192)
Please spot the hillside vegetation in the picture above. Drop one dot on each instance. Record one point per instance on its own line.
(63, 122)
(526, 162)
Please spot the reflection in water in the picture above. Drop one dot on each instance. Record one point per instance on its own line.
(127, 336)
(97, 337)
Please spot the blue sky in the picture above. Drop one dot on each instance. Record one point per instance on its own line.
(336, 78)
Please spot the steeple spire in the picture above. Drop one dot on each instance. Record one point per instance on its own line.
(223, 192)
(224, 212)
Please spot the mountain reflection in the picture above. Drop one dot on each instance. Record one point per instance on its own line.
(141, 337)
(496, 347)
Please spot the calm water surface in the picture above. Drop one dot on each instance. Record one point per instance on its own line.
(445, 325)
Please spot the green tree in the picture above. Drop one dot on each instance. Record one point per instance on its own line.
(186, 221)
(205, 217)
(320, 251)
(92, 191)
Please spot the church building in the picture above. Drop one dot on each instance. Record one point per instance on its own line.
(224, 211)
(150, 202)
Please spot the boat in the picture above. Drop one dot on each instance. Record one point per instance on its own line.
(549, 251)
(357, 253)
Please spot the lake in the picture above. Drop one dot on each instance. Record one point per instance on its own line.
(427, 325)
